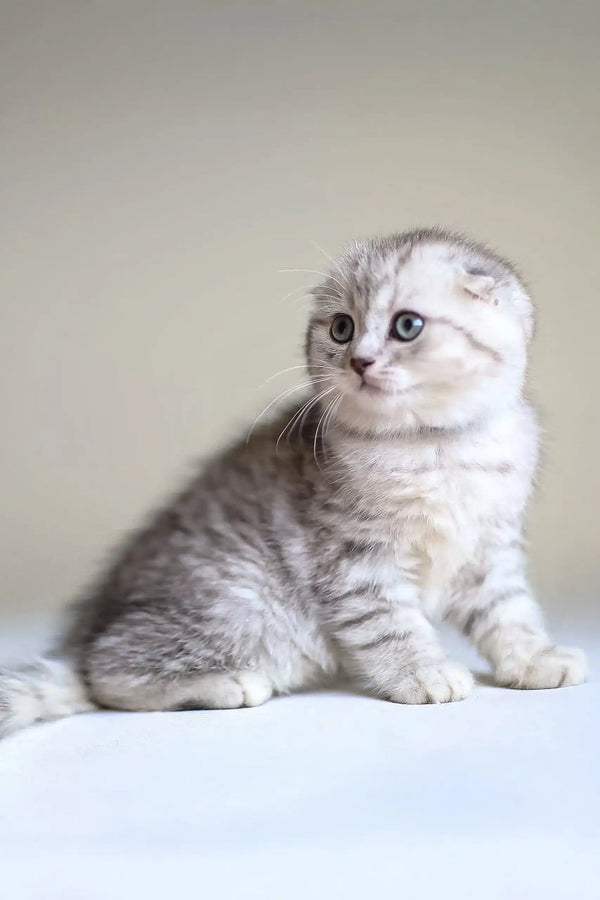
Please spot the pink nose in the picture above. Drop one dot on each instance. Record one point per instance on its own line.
(360, 365)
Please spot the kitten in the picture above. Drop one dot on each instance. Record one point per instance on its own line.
(331, 539)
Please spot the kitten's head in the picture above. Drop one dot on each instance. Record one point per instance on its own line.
(419, 330)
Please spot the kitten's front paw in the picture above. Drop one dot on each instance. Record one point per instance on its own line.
(551, 667)
(437, 682)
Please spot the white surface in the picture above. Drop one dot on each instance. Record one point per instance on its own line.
(328, 794)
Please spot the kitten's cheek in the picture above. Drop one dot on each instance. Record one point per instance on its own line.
(348, 385)
(404, 380)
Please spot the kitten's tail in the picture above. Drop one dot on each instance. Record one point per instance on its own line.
(45, 689)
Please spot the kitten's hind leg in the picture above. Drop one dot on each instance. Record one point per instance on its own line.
(212, 690)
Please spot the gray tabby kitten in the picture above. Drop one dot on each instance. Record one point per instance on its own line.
(332, 539)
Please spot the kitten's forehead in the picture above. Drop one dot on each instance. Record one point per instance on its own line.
(384, 278)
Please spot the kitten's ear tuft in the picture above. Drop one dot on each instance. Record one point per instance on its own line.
(478, 285)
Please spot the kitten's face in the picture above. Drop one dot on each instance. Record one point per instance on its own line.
(435, 337)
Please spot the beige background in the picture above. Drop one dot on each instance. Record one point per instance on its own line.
(162, 161)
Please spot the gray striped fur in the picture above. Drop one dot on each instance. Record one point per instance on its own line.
(332, 545)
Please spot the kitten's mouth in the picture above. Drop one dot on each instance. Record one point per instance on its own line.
(382, 390)
(371, 387)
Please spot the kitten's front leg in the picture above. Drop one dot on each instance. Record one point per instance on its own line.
(388, 645)
(494, 607)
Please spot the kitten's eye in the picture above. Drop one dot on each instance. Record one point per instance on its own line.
(342, 328)
(407, 326)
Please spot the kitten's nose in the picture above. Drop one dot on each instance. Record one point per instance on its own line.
(360, 364)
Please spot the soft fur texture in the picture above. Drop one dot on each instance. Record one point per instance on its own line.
(332, 539)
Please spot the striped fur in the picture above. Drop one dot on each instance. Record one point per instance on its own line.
(342, 530)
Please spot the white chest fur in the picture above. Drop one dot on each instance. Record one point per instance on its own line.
(436, 498)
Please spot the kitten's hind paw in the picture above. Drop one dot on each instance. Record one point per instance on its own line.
(221, 690)
(438, 682)
(551, 667)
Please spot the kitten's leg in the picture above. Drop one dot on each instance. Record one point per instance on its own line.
(388, 645)
(213, 690)
(493, 606)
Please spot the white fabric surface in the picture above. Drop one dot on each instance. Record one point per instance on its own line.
(328, 794)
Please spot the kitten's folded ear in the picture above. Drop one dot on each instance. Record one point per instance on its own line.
(478, 285)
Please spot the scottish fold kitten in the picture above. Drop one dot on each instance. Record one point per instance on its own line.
(329, 542)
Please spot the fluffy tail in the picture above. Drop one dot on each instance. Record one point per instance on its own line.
(39, 691)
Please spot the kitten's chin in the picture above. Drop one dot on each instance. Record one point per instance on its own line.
(374, 410)
(378, 412)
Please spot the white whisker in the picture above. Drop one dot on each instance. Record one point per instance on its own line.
(323, 421)
(316, 437)
(304, 409)
(332, 409)
(320, 296)
(325, 275)
(333, 261)
(293, 368)
(324, 252)
(307, 411)
(296, 290)
(280, 396)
